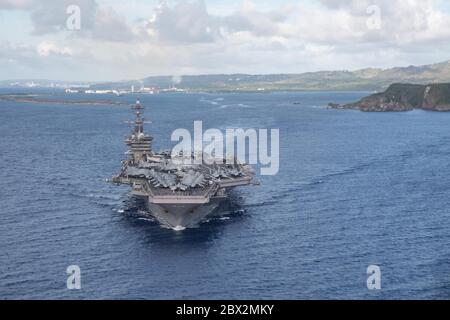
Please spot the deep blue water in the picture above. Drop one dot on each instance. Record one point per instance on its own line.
(354, 189)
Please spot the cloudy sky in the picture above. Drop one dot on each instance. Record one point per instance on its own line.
(116, 39)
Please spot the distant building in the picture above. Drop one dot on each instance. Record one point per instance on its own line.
(104, 91)
(149, 90)
(173, 89)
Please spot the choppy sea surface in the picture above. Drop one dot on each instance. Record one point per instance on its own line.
(354, 189)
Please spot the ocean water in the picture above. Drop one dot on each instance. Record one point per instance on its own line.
(354, 189)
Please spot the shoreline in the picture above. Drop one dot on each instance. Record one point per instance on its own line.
(32, 99)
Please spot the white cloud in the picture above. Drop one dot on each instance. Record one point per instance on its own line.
(110, 26)
(184, 36)
(44, 60)
(15, 4)
(50, 16)
(184, 22)
(260, 23)
(47, 48)
(402, 22)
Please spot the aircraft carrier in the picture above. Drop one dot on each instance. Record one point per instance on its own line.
(178, 195)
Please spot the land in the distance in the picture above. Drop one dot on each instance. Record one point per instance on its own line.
(33, 98)
(404, 97)
(370, 79)
(361, 80)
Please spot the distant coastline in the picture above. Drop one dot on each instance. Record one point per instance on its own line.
(401, 97)
(33, 98)
(368, 79)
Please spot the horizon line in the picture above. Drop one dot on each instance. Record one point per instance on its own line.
(220, 74)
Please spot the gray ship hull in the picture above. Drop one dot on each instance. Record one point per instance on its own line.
(181, 216)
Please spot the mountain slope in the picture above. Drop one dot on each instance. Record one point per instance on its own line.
(405, 97)
(370, 79)
(365, 79)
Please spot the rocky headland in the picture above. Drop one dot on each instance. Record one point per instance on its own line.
(404, 97)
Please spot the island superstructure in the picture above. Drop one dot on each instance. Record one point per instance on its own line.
(179, 194)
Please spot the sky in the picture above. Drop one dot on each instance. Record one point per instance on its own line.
(111, 40)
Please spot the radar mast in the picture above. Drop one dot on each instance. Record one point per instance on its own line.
(140, 144)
